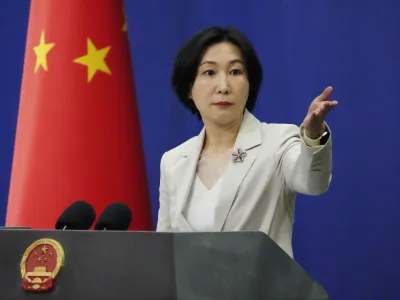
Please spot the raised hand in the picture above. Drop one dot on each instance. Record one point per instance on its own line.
(314, 121)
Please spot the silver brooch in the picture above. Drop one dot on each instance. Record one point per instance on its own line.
(239, 155)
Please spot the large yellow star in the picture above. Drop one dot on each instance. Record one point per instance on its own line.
(94, 60)
(41, 52)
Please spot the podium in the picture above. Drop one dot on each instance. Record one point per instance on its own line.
(113, 265)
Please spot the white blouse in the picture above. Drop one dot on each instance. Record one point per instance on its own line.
(205, 191)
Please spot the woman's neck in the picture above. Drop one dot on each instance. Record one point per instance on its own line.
(219, 139)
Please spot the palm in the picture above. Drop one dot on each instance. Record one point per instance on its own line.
(319, 108)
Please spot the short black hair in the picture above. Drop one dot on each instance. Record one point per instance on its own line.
(190, 55)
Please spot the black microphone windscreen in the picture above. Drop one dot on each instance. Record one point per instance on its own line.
(116, 216)
(80, 215)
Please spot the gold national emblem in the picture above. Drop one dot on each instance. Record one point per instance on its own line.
(40, 265)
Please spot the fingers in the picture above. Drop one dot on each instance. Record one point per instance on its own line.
(324, 108)
(325, 94)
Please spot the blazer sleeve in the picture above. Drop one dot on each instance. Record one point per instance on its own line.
(304, 169)
(164, 222)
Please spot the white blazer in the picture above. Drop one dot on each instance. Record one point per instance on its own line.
(257, 194)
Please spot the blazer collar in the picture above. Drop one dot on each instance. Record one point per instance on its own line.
(249, 136)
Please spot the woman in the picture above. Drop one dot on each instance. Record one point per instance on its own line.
(239, 173)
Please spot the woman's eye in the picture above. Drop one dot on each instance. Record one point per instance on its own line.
(209, 72)
(236, 72)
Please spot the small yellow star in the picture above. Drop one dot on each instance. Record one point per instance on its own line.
(41, 52)
(94, 59)
(125, 26)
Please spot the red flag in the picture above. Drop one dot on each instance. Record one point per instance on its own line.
(78, 134)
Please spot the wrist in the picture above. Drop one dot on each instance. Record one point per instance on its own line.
(315, 141)
(313, 134)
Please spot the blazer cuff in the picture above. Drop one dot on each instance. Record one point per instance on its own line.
(318, 142)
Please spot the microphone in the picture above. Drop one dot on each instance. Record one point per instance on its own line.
(80, 215)
(116, 216)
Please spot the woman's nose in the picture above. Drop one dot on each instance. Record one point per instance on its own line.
(223, 86)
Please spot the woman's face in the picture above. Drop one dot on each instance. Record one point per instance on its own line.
(221, 87)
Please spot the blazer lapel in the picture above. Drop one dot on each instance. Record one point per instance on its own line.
(249, 136)
(185, 173)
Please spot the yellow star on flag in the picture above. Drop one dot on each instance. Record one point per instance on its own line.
(94, 60)
(41, 52)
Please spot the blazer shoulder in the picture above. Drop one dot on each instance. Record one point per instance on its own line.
(280, 132)
(171, 156)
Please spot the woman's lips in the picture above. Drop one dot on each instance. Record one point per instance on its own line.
(223, 104)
